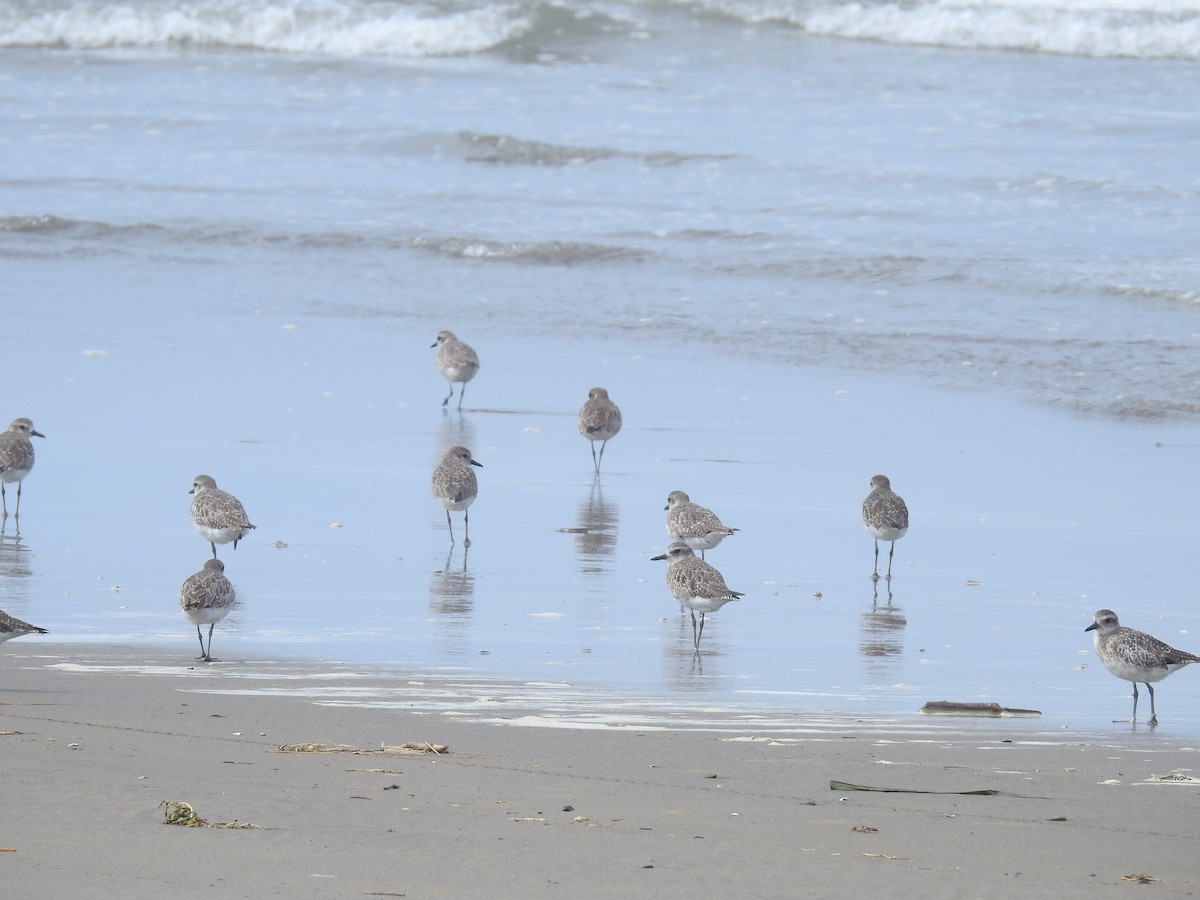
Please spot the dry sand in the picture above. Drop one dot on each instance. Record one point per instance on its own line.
(91, 753)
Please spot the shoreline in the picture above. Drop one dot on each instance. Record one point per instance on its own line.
(540, 810)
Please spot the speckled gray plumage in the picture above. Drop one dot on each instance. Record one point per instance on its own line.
(599, 420)
(206, 598)
(456, 487)
(217, 515)
(16, 458)
(695, 584)
(697, 526)
(885, 516)
(457, 361)
(1135, 656)
(12, 627)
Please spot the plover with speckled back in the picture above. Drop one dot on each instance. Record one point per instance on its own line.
(695, 584)
(885, 516)
(1135, 656)
(455, 487)
(12, 627)
(16, 458)
(695, 525)
(599, 420)
(217, 514)
(457, 361)
(206, 598)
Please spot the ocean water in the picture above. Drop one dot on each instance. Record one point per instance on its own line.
(799, 243)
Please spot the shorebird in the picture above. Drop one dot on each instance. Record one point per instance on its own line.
(455, 487)
(206, 598)
(599, 420)
(217, 514)
(16, 458)
(885, 516)
(11, 627)
(456, 361)
(1135, 656)
(695, 584)
(695, 525)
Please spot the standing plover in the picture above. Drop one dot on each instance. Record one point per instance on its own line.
(456, 361)
(599, 420)
(217, 514)
(206, 598)
(695, 525)
(1135, 655)
(695, 584)
(16, 458)
(455, 487)
(885, 516)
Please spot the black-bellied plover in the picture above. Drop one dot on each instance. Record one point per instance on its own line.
(456, 361)
(599, 420)
(1135, 656)
(455, 487)
(695, 525)
(206, 598)
(16, 458)
(217, 514)
(695, 584)
(885, 516)
(12, 627)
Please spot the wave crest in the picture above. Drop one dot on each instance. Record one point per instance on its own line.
(347, 28)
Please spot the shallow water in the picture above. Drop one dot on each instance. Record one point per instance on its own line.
(1020, 531)
(794, 263)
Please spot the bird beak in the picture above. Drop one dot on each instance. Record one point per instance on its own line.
(661, 556)
(1091, 627)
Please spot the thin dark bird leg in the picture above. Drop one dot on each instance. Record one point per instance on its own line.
(214, 546)
(891, 553)
(4, 499)
(467, 527)
(17, 514)
(461, 392)
(876, 556)
(1153, 714)
(200, 637)
(701, 634)
(450, 525)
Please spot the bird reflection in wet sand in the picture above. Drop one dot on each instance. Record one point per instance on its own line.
(14, 557)
(596, 532)
(881, 633)
(452, 588)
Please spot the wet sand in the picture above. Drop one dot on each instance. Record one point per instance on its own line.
(95, 741)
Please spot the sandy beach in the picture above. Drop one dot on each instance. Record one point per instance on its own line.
(96, 741)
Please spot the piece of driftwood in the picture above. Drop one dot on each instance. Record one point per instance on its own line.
(984, 792)
(994, 710)
(329, 747)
